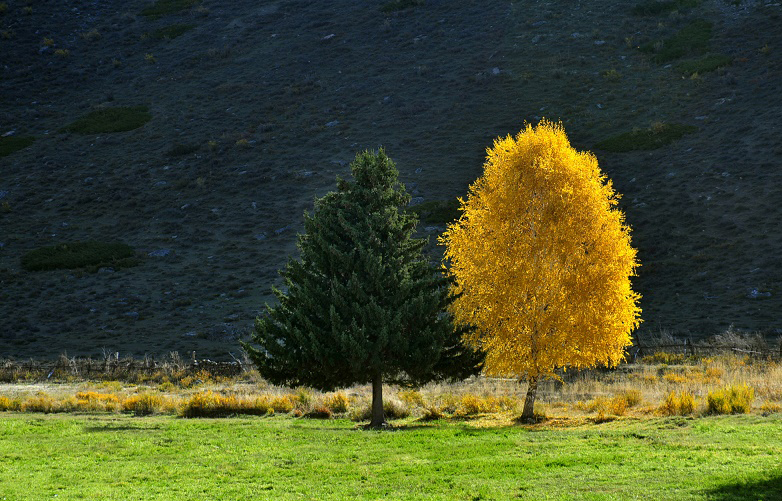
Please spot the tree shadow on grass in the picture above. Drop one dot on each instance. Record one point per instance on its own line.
(108, 427)
(766, 490)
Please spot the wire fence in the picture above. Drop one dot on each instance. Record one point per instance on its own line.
(112, 367)
(690, 348)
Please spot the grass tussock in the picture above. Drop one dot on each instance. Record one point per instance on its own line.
(732, 399)
(682, 404)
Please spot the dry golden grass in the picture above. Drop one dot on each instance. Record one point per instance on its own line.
(655, 387)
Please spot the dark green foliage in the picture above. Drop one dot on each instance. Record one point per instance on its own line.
(692, 39)
(655, 7)
(11, 144)
(704, 64)
(648, 139)
(90, 254)
(170, 32)
(437, 211)
(117, 119)
(362, 302)
(165, 7)
(395, 5)
(179, 149)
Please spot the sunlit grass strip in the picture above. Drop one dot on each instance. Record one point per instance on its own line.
(164, 458)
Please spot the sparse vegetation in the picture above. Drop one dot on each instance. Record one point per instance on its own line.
(167, 7)
(170, 32)
(692, 39)
(437, 211)
(397, 5)
(105, 120)
(652, 138)
(612, 75)
(91, 35)
(180, 149)
(10, 144)
(74, 255)
(703, 65)
(657, 7)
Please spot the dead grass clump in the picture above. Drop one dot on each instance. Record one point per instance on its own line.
(412, 398)
(319, 412)
(392, 408)
(91, 401)
(282, 404)
(662, 357)
(738, 339)
(732, 399)
(432, 413)
(40, 403)
(143, 404)
(680, 405)
(338, 402)
(769, 408)
(210, 404)
(7, 404)
(470, 405)
(632, 397)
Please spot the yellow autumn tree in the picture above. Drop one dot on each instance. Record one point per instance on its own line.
(541, 261)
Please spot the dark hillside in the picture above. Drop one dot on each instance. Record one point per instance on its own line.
(236, 114)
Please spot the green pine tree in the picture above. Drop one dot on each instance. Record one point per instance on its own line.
(362, 305)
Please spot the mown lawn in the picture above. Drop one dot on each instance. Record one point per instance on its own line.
(118, 457)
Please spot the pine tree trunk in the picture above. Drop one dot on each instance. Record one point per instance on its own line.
(378, 415)
(528, 414)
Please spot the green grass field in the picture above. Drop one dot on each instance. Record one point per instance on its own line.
(117, 457)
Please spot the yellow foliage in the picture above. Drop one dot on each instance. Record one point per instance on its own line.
(733, 399)
(143, 404)
(542, 259)
(680, 405)
(337, 402)
(6, 404)
(412, 398)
